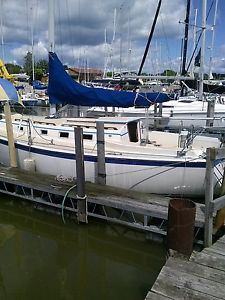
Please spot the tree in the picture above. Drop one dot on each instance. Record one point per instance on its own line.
(169, 73)
(28, 64)
(13, 69)
(42, 65)
(40, 68)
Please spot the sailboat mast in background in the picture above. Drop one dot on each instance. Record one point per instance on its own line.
(150, 37)
(183, 70)
(51, 37)
(212, 43)
(202, 57)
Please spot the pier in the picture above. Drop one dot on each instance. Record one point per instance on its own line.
(133, 209)
(200, 277)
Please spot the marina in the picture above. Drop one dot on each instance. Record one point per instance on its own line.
(112, 184)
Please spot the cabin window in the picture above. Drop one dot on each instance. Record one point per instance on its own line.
(64, 134)
(44, 132)
(87, 136)
(133, 132)
(110, 128)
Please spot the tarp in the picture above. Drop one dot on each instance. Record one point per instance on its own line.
(8, 91)
(62, 89)
(37, 85)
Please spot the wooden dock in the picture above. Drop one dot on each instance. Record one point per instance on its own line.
(134, 209)
(201, 277)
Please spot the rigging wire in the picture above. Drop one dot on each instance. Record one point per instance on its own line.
(199, 38)
(166, 42)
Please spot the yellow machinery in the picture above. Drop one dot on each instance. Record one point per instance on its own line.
(4, 73)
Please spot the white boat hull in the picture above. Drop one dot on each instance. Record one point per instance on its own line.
(176, 176)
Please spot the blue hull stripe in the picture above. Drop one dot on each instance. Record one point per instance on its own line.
(111, 160)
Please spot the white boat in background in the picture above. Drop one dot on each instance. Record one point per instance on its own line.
(137, 159)
(186, 112)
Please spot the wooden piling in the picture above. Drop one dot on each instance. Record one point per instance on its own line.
(81, 196)
(9, 129)
(101, 173)
(210, 113)
(210, 157)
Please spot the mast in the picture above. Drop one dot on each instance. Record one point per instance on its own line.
(150, 37)
(183, 70)
(51, 37)
(105, 60)
(185, 44)
(2, 38)
(194, 41)
(32, 42)
(213, 37)
(202, 58)
(51, 26)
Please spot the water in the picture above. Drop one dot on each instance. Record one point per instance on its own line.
(42, 258)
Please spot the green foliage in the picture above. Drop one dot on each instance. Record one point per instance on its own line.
(109, 74)
(27, 66)
(38, 74)
(169, 73)
(40, 67)
(13, 69)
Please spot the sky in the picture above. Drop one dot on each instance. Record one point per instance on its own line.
(109, 34)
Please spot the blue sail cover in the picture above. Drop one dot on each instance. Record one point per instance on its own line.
(37, 85)
(62, 89)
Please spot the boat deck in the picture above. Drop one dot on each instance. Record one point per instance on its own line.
(134, 209)
(200, 277)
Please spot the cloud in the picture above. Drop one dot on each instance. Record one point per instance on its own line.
(81, 28)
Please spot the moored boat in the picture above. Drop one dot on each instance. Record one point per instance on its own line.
(138, 159)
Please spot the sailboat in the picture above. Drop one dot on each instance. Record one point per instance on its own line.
(135, 158)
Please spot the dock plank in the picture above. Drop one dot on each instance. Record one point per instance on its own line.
(169, 285)
(215, 251)
(201, 277)
(218, 245)
(208, 259)
(222, 239)
(181, 285)
(154, 296)
(190, 267)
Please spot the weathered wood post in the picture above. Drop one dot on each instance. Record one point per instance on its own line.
(160, 113)
(155, 115)
(220, 215)
(81, 196)
(210, 113)
(101, 173)
(9, 129)
(208, 230)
